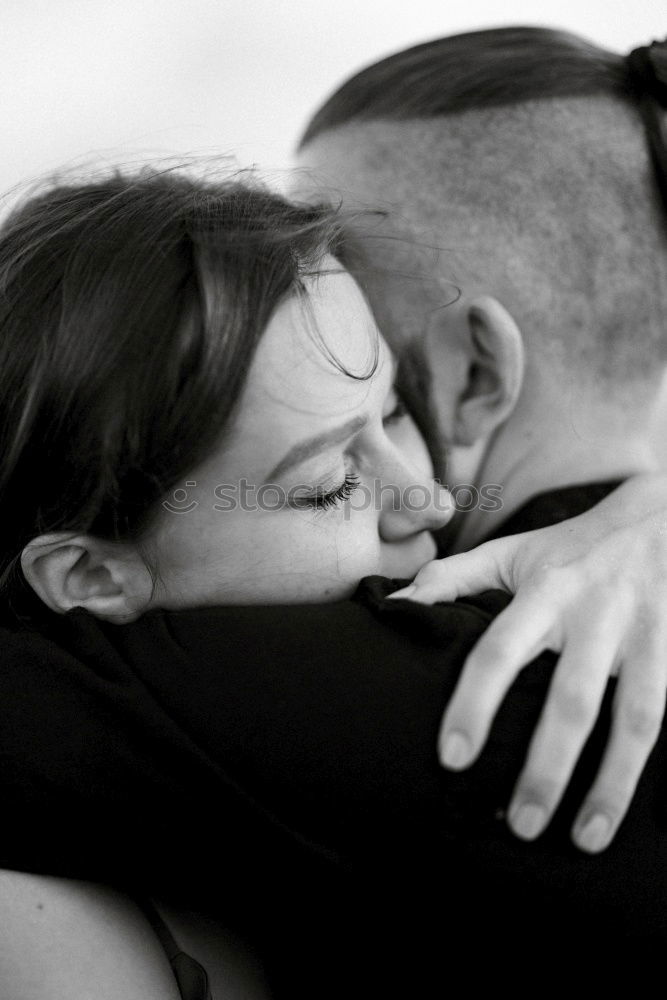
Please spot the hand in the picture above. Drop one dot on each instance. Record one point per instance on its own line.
(593, 588)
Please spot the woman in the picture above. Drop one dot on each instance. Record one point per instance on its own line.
(196, 388)
(136, 271)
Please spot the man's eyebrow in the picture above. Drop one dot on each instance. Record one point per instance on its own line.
(312, 446)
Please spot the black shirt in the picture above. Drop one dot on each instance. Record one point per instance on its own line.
(281, 761)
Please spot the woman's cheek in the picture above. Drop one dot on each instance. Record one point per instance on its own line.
(261, 556)
(337, 551)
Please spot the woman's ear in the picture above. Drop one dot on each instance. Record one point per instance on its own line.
(495, 370)
(109, 579)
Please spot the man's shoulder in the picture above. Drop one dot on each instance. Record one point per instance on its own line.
(316, 631)
(438, 624)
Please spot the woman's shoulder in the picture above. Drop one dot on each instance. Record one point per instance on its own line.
(62, 939)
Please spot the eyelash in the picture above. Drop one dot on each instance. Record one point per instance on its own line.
(325, 501)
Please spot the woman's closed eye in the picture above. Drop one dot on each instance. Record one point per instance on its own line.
(322, 500)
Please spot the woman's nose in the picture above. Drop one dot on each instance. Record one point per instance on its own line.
(409, 506)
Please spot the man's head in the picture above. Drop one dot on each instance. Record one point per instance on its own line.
(523, 227)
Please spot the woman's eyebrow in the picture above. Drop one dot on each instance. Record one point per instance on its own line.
(313, 445)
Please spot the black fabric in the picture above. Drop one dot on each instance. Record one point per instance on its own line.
(283, 759)
(555, 506)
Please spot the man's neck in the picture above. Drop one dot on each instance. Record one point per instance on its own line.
(542, 458)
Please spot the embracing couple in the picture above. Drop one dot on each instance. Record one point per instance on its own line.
(201, 704)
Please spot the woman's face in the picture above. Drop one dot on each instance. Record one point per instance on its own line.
(321, 478)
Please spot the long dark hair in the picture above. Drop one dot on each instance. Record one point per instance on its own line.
(130, 311)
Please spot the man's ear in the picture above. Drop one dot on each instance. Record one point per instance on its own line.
(495, 370)
(109, 579)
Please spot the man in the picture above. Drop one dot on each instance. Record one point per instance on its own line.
(522, 261)
(297, 745)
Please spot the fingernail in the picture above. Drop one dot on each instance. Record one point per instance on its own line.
(594, 835)
(528, 820)
(406, 592)
(455, 751)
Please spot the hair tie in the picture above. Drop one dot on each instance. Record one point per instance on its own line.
(647, 81)
(647, 69)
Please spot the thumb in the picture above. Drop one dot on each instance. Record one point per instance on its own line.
(484, 568)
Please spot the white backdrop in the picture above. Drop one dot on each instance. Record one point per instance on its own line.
(84, 79)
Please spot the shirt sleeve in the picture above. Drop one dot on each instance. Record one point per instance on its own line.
(220, 739)
(326, 717)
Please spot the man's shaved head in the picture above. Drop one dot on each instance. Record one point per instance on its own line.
(523, 155)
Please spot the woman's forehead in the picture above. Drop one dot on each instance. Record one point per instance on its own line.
(318, 336)
(298, 383)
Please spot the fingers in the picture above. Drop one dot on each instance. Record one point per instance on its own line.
(512, 640)
(484, 568)
(639, 707)
(572, 608)
(571, 709)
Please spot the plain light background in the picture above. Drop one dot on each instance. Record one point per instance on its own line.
(134, 79)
